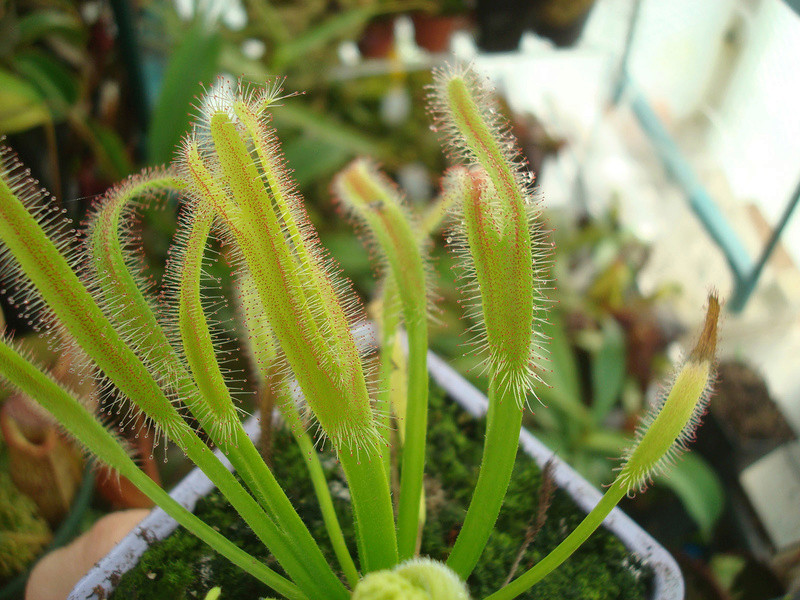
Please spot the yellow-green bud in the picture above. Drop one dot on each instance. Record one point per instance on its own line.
(388, 585)
(417, 579)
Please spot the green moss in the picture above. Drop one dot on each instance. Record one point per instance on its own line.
(601, 570)
(182, 567)
(23, 531)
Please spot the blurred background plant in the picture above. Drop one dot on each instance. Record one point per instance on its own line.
(60, 93)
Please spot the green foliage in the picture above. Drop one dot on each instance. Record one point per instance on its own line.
(163, 356)
(608, 370)
(22, 104)
(23, 531)
(38, 88)
(194, 60)
(49, 77)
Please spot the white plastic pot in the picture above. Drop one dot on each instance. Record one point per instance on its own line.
(667, 579)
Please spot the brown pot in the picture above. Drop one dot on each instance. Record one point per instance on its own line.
(433, 32)
(377, 39)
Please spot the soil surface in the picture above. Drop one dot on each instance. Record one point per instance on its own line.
(183, 567)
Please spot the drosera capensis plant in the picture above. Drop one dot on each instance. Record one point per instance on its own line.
(298, 312)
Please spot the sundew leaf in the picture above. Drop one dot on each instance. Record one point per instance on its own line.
(375, 202)
(505, 252)
(240, 171)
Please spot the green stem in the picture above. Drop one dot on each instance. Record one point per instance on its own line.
(314, 583)
(214, 539)
(565, 549)
(323, 494)
(83, 426)
(372, 507)
(383, 406)
(261, 477)
(413, 464)
(261, 344)
(499, 452)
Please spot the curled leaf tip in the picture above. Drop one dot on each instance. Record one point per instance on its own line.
(706, 347)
